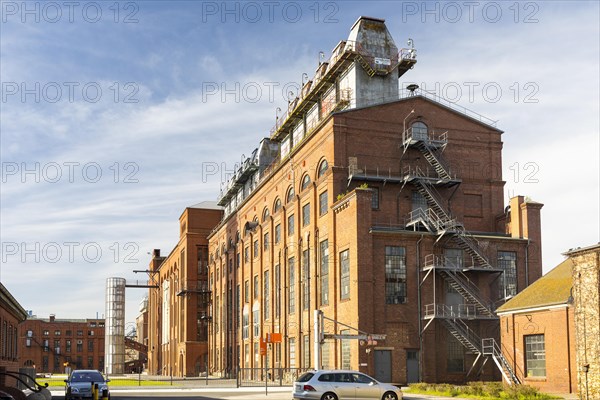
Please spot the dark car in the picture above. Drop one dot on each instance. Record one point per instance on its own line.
(5, 396)
(79, 384)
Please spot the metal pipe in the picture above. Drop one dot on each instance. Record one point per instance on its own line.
(527, 263)
(419, 308)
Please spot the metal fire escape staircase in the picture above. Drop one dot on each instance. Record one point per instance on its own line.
(438, 220)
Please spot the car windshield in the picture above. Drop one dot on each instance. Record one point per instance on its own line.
(87, 377)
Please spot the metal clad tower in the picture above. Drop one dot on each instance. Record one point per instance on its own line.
(114, 348)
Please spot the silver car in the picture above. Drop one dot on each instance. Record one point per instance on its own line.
(79, 384)
(342, 385)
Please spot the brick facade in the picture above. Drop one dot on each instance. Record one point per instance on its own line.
(371, 137)
(48, 344)
(178, 308)
(338, 212)
(586, 290)
(12, 315)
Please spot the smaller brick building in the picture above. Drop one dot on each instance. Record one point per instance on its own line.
(11, 315)
(51, 344)
(537, 329)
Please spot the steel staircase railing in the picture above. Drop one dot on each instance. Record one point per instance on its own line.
(461, 283)
(435, 160)
(491, 348)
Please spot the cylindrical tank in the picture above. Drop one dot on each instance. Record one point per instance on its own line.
(114, 342)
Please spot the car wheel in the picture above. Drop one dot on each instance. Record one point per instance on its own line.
(329, 396)
(390, 396)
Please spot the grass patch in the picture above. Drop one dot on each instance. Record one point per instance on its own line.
(116, 382)
(481, 390)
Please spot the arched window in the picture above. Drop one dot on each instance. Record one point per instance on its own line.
(305, 182)
(322, 168)
(290, 195)
(265, 214)
(277, 205)
(419, 130)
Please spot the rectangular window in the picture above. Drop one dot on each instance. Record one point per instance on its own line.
(291, 225)
(277, 297)
(80, 346)
(292, 285)
(256, 287)
(56, 333)
(345, 343)
(202, 259)
(325, 364)
(47, 333)
(306, 214)
(90, 346)
(395, 275)
(535, 355)
(238, 306)
(256, 322)
(507, 261)
(455, 361)
(256, 248)
(266, 297)
(68, 346)
(306, 351)
(292, 346)
(90, 362)
(323, 203)
(256, 355)
(246, 254)
(305, 279)
(375, 198)
(247, 355)
(79, 332)
(277, 233)
(245, 325)
(344, 275)
(266, 241)
(246, 291)
(324, 257)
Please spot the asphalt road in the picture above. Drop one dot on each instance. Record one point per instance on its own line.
(233, 394)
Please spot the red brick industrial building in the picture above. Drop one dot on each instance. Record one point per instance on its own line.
(12, 315)
(384, 214)
(51, 345)
(178, 306)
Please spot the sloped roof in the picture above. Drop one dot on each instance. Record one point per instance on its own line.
(554, 288)
(211, 205)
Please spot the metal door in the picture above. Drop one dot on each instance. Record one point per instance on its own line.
(383, 365)
(412, 366)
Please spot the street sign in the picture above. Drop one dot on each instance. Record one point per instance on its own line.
(263, 347)
(355, 337)
(273, 338)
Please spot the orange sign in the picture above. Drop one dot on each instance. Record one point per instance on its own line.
(273, 337)
(263, 347)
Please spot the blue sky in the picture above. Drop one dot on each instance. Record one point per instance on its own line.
(115, 115)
